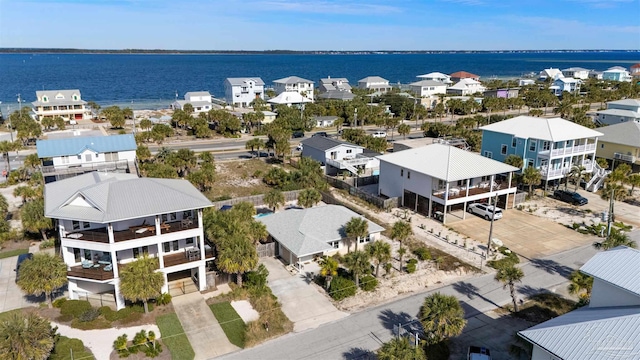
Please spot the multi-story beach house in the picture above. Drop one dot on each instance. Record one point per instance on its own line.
(576, 73)
(619, 111)
(563, 84)
(620, 144)
(428, 88)
(553, 145)
(616, 73)
(302, 86)
(200, 100)
(67, 157)
(334, 84)
(241, 92)
(338, 156)
(507, 93)
(67, 104)
(436, 76)
(106, 221)
(550, 74)
(466, 86)
(375, 83)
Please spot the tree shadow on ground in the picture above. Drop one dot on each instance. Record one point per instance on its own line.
(408, 322)
(529, 291)
(359, 354)
(470, 291)
(552, 267)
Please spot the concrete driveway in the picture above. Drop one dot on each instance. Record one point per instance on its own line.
(303, 304)
(527, 235)
(11, 297)
(627, 213)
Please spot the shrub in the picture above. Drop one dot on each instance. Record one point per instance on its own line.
(412, 265)
(59, 302)
(164, 299)
(368, 283)
(342, 288)
(258, 277)
(422, 253)
(47, 244)
(89, 315)
(74, 308)
(387, 268)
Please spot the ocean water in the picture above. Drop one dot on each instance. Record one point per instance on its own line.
(152, 81)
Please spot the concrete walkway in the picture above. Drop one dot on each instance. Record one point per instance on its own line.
(201, 327)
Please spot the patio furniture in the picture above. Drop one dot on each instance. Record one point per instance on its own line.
(192, 254)
(86, 264)
(186, 222)
(454, 191)
(108, 267)
(165, 226)
(74, 236)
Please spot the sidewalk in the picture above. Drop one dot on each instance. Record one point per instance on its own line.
(201, 327)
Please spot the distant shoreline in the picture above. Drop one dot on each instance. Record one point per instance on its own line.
(290, 52)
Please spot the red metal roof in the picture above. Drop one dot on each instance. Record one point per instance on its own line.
(464, 74)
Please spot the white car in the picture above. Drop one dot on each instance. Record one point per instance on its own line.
(379, 134)
(485, 211)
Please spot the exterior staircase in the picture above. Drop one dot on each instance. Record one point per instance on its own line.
(598, 177)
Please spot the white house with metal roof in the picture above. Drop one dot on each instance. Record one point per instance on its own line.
(302, 234)
(375, 83)
(334, 84)
(428, 88)
(200, 100)
(81, 154)
(552, 145)
(67, 104)
(619, 111)
(107, 220)
(607, 328)
(466, 86)
(241, 92)
(337, 156)
(297, 84)
(563, 84)
(436, 76)
(616, 73)
(576, 73)
(290, 98)
(441, 178)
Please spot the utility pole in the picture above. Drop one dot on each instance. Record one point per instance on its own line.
(610, 217)
(355, 117)
(493, 215)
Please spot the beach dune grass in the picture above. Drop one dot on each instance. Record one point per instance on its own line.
(231, 323)
(174, 338)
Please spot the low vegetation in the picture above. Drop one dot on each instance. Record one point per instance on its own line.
(231, 323)
(174, 338)
(144, 342)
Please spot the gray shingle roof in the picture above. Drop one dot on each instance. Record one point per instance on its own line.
(51, 97)
(553, 129)
(446, 162)
(590, 334)
(242, 80)
(107, 197)
(370, 79)
(619, 112)
(300, 230)
(325, 143)
(627, 102)
(76, 145)
(626, 133)
(619, 266)
(292, 80)
(337, 94)
(427, 83)
(197, 93)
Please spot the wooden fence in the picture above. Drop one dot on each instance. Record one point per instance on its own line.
(380, 202)
(266, 250)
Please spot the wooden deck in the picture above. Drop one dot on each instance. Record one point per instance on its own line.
(134, 232)
(94, 273)
(472, 191)
(182, 258)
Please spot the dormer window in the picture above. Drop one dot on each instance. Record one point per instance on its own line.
(59, 96)
(45, 99)
(75, 97)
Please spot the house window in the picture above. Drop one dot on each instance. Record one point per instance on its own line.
(175, 245)
(601, 146)
(335, 244)
(568, 143)
(87, 255)
(503, 149)
(65, 159)
(488, 154)
(166, 247)
(349, 151)
(546, 145)
(401, 172)
(77, 255)
(533, 145)
(408, 174)
(173, 216)
(87, 157)
(514, 142)
(189, 241)
(164, 218)
(111, 156)
(136, 253)
(530, 163)
(365, 239)
(187, 214)
(86, 225)
(76, 225)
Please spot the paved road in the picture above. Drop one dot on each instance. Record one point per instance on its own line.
(360, 333)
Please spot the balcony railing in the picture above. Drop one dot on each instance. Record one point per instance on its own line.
(134, 232)
(96, 272)
(457, 192)
(341, 164)
(624, 157)
(119, 165)
(187, 255)
(569, 150)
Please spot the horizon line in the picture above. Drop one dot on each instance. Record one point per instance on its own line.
(140, 50)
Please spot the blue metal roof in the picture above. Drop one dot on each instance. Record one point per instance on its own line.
(76, 145)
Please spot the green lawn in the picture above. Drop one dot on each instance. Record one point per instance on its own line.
(231, 323)
(174, 338)
(10, 253)
(63, 347)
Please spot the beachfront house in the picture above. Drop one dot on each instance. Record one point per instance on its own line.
(334, 84)
(552, 146)
(428, 88)
(436, 76)
(635, 71)
(80, 154)
(619, 111)
(299, 239)
(437, 179)
(616, 73)
(374, 83)
(466, 86)
(67, 104)
(620, 143)
(607, 327)
(199, 100)
(563, 84)
(337, 156)
(576, 73)
(290, 98)
(289, 84)
(507, 93)
(107, 221)
(550, 74)
(240, 92)
(459, 75)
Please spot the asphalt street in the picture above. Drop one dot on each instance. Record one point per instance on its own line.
(358, 334)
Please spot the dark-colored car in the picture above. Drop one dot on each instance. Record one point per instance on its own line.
(21, 259)
(570, 197)
(321, 133)
(297, 134)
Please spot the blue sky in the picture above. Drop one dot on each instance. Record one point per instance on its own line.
(321, 24)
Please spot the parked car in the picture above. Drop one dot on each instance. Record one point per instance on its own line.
(570, 197)
(478, 353)
(21, 259)
(297, 134)
(379, 134)
(485, 211)
(321, 133)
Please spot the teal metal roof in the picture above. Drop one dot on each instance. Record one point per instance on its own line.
(76, 145)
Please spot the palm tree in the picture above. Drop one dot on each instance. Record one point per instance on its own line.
(401, 253)
(273, 198)
(404, 129)
(309, 197)
(356, 227)
(581, 284)
(531, 177)
(442, 317)
(139, 280)
(33, 219)
(380, 252)
(509, 276)
(328, 269)
(575, 174)
(42, 274)
(255, 143)
(633, 180)
(237, 255)
(358, 263)
(400, 348)
(401, 231)
(616, 238)
(6, 147)
(514, 160)
(26, 336)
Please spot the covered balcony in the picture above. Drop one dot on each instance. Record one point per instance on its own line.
(185, 256)
(134, 232)
(625, 157)
(97, 271)
(456, 192)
